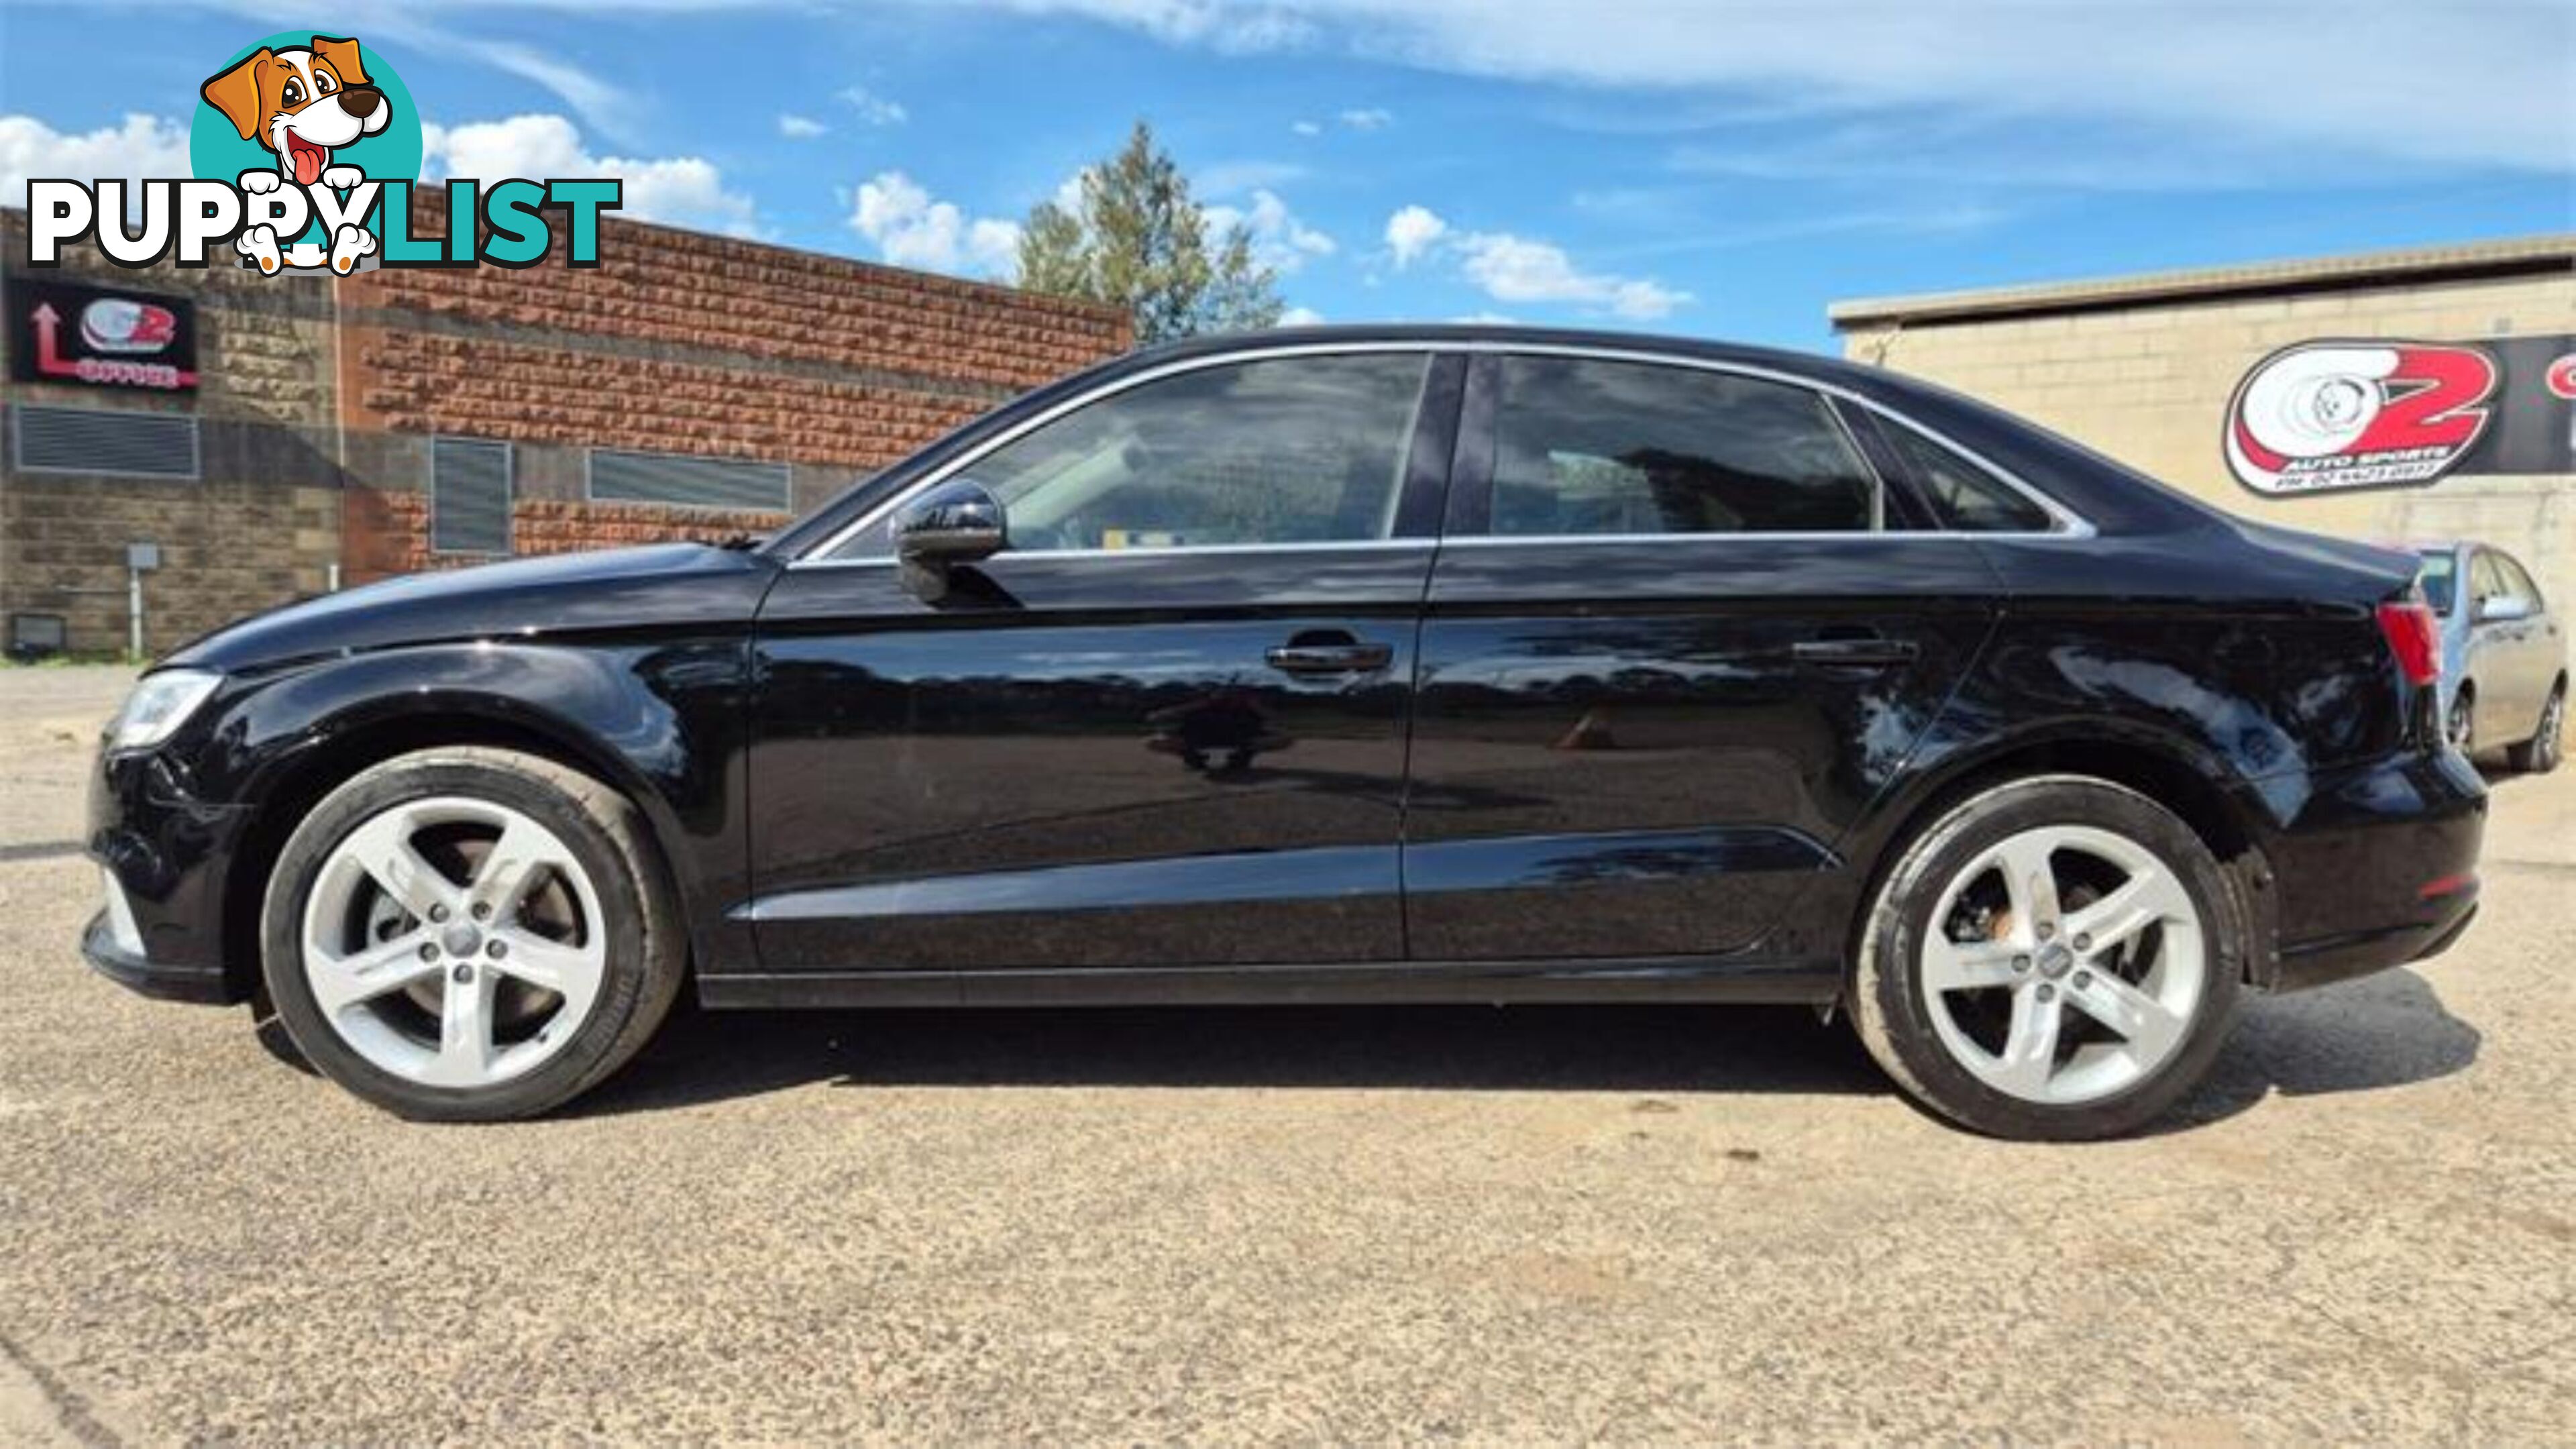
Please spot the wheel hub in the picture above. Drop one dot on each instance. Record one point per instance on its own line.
(461, 939)
(2055, 959)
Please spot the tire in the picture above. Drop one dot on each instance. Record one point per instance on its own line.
(2540, 754)
(1962, 1051)
(536, 884)
(2459, 726)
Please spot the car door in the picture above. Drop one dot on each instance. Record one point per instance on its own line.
(2531, 645)
(2495, 660)
(1164, 726)
(1675, 641)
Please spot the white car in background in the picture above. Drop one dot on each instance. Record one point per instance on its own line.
(2504, 658)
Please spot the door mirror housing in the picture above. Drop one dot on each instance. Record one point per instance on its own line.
(957, 522)
(2502, 609)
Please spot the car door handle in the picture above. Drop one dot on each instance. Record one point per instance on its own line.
(1860, 651)
(1328, 654)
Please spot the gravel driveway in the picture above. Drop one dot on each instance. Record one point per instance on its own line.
(1535, 1224)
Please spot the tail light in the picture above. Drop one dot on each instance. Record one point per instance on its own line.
(2407, 624)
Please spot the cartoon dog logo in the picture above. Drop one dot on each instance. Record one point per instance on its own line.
(302, 103)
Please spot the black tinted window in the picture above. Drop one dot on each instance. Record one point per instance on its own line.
(1590, 447)
(1289, 450)
(1964, 497)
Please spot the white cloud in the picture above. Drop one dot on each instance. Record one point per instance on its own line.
(874, 109)
(678, 190)
(1300, 317)
(800, 128)
(911, 229)
(1279, 240)
(1367, 118)
(1516, 269)
(1306, 128)
(2260, 82)
(1411, 232)
(604, 106)
(142, 146)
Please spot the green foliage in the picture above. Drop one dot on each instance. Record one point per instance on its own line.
(1138, 241)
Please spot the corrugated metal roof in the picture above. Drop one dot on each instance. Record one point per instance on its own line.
(2359, 269)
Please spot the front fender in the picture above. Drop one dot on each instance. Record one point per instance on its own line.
(662, 722)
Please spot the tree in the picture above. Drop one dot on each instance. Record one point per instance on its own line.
(1138, 241)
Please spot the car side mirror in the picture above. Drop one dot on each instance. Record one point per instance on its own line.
(2502, 609)
(955, 523)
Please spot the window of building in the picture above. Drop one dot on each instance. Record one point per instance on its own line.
(680, 480)
(1583, 446)
(469, 495)
(102, 440)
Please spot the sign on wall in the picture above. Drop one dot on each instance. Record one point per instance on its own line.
(2332, 416)
(70, 332)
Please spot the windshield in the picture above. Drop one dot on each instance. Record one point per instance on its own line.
(2438, 577)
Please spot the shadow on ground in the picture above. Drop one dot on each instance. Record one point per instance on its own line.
(2384, 1031)
(2388, 1030)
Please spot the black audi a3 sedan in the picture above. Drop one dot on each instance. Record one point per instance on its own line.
(1368, 665)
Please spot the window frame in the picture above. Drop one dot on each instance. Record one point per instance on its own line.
(1486, 381)
(1461, 458)
(1422, 471)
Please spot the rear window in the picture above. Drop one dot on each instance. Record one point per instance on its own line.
(2440, 580)
(1589, 447)
(1964, 497)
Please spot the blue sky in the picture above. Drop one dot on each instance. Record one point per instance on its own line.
(1715, 168)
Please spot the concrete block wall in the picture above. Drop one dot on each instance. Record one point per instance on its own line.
(260, 527)
(2149, 385)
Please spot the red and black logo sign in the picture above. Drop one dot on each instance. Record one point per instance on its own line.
(2322, 416)
(68, 332)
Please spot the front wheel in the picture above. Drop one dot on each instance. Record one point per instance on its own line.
(470, 935)
(2055, 958)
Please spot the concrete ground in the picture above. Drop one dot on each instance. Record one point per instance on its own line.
(1287, 1225)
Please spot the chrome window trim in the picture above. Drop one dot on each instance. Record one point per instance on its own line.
(2070, 523)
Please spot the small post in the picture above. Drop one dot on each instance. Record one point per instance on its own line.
(140, 558)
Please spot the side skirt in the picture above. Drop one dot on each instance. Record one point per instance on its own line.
(1653, 978)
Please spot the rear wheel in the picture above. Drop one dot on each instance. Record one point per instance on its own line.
(2540, 754)
(2055, 958)
(470, 934)
(2460, 725)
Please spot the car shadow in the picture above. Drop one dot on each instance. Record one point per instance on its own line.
(2383, 1031)
(712, 1055)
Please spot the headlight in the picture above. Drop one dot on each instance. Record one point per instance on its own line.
(160, 703)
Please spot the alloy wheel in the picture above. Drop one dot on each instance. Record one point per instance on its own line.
(454, 942)
(2546, 744)
(2064, 965)
(2460, 726)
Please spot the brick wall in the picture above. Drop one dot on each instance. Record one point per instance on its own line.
(319, 398)
(686, 343)
(2149, 384)
(260, 527)
(400, 529)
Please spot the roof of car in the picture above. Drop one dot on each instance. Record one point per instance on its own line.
(1779, 359)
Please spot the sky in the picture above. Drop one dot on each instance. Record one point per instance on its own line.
(1725, 168)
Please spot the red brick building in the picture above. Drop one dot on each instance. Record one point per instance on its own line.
(690, 386)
